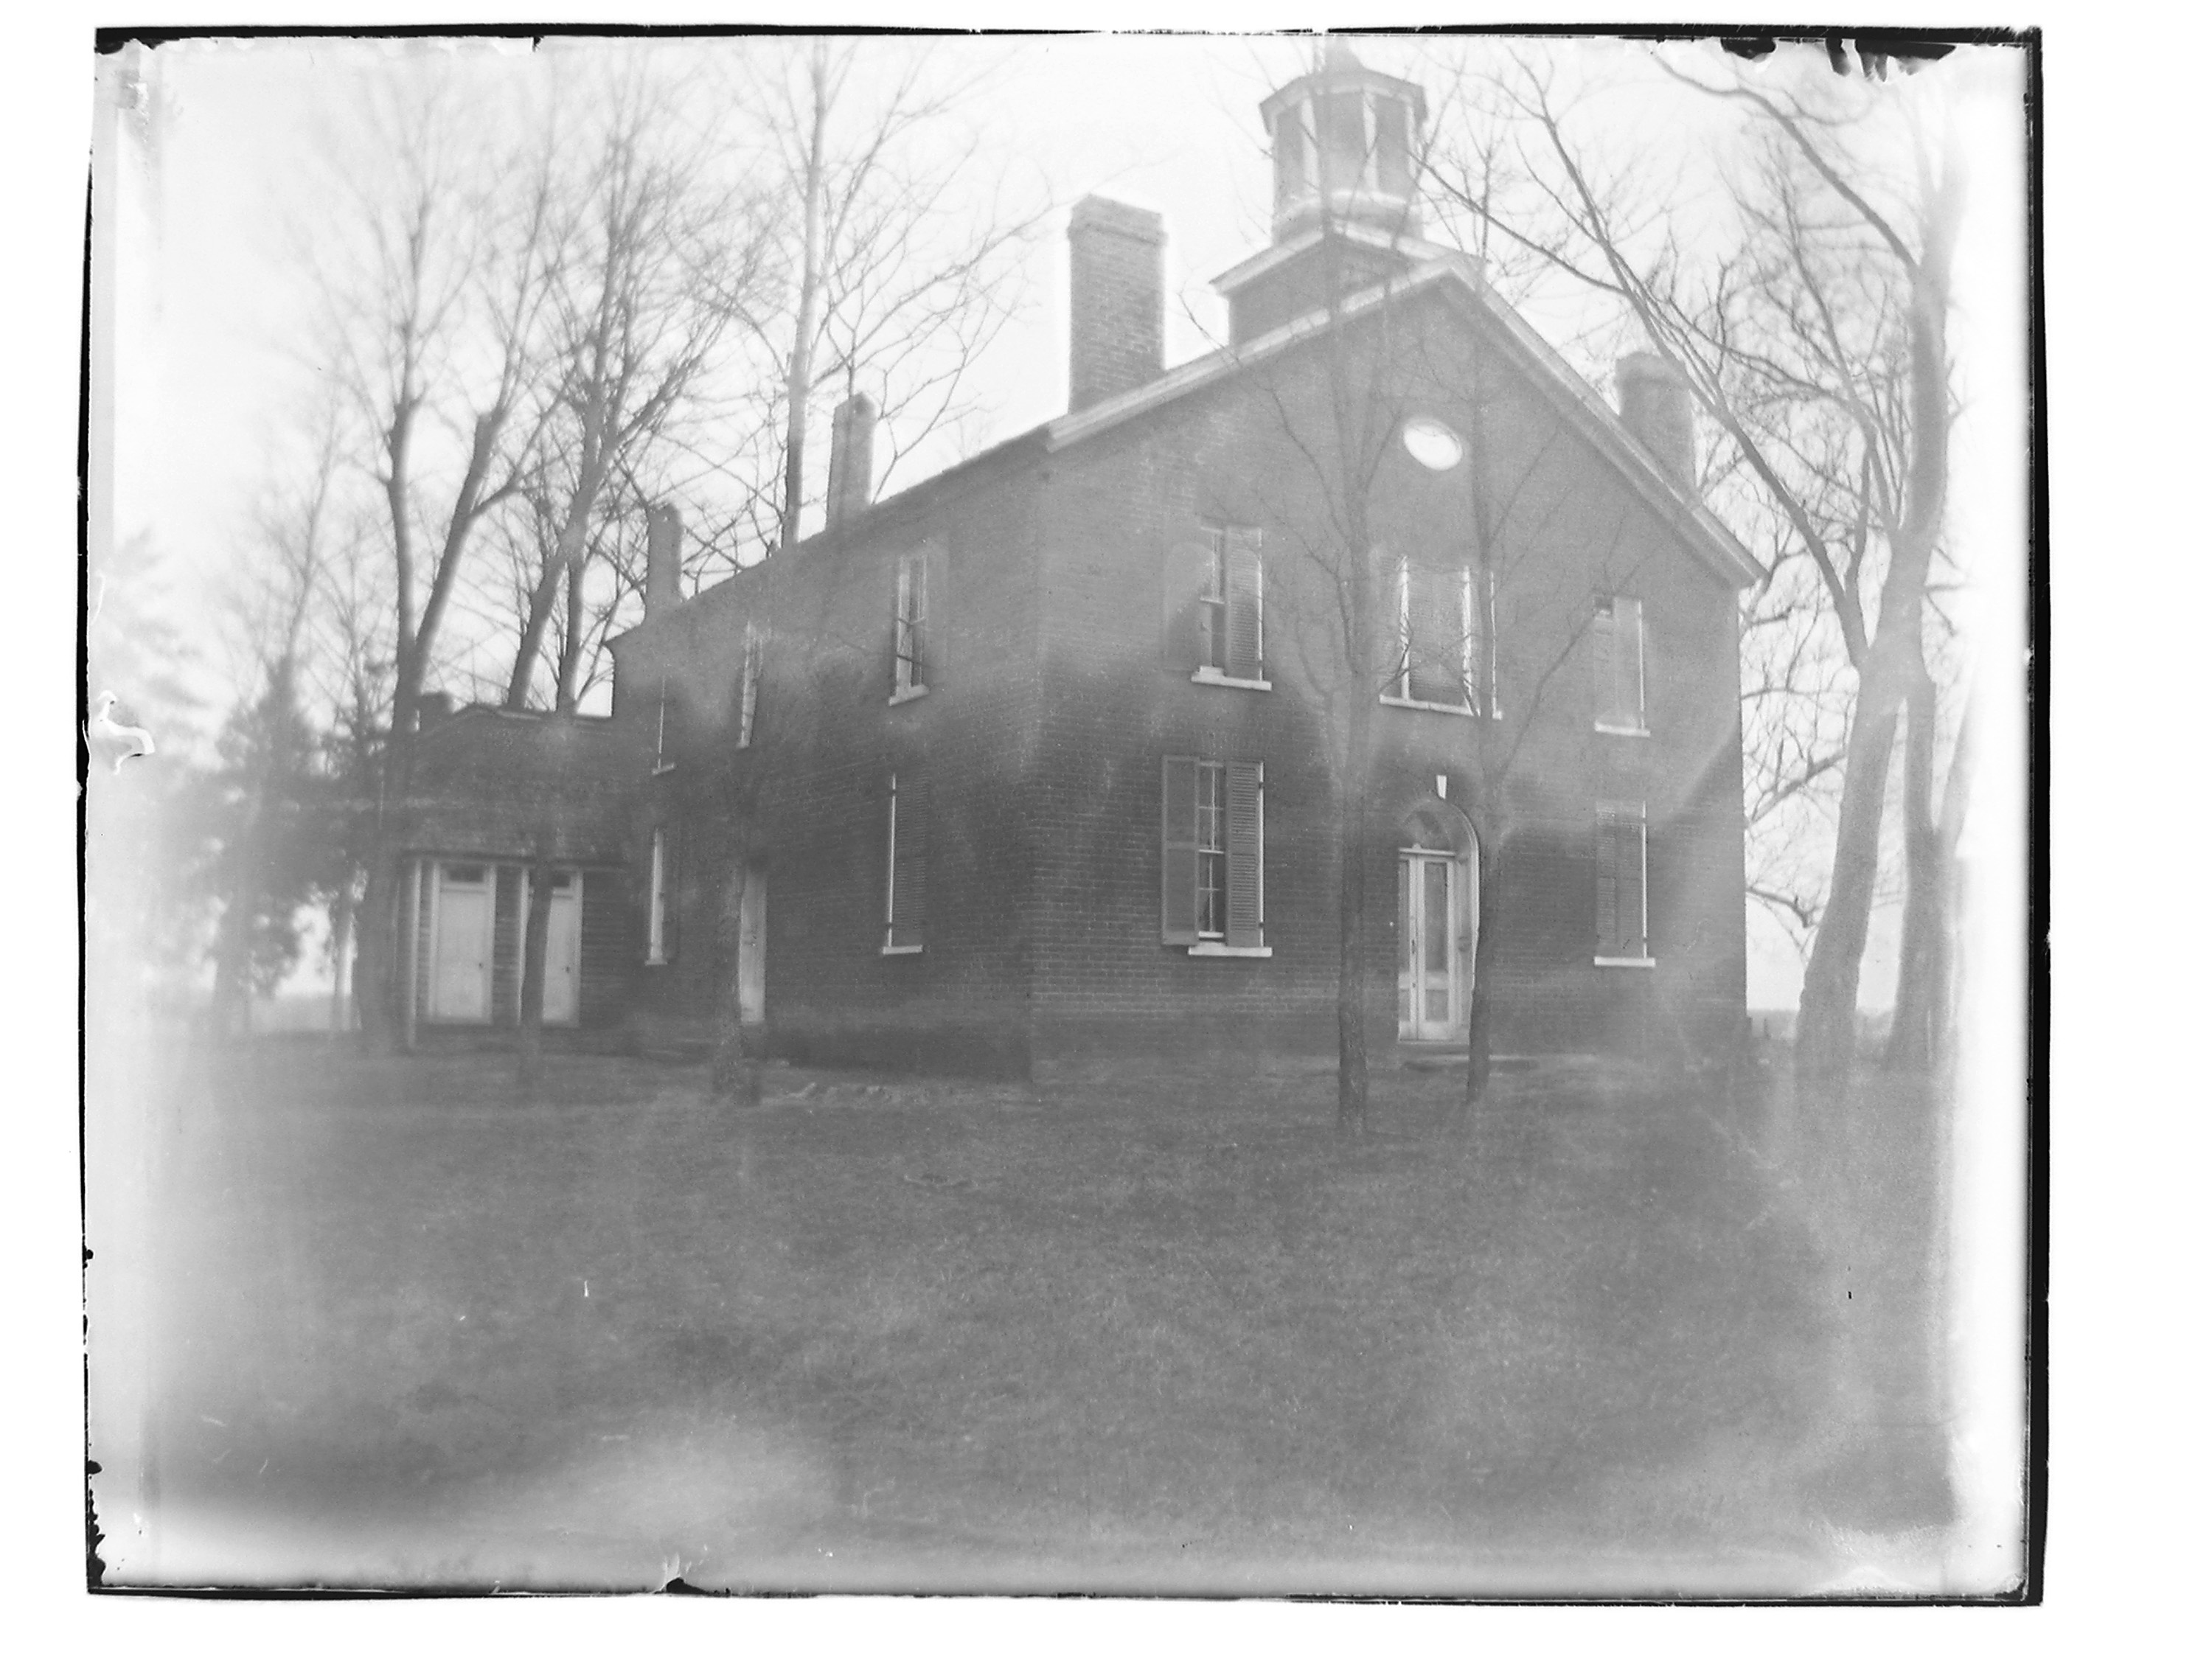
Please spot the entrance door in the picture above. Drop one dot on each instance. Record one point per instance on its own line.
(563, 949)
(1428, 901)
(752, 948)
(460, 965)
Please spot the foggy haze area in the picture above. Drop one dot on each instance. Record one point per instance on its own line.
(1178, 816)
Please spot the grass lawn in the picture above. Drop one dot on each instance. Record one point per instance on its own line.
(411, 1328)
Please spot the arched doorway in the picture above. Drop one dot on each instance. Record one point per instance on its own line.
(1439, 909)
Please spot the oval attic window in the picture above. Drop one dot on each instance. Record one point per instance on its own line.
(1433, 444)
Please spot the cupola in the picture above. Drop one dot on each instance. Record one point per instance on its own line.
(1343, 138)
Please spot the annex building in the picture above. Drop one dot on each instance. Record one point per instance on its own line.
(1041, 761)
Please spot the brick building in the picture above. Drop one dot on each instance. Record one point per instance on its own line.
(1039, 761)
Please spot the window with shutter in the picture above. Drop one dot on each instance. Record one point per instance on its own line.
(663, 743)
(1621, 856)
(1242, 575)
(1617, 660)
(910, 632)
(1190, 582)
(906, 896)
(1213, 856)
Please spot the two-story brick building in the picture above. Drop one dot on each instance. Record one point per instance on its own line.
(1041, 760)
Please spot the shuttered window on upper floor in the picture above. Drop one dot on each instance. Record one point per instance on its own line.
(1212, 616)
(1617, 662)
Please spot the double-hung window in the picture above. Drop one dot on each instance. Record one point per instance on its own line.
(1439, 618)
(910, 663)
(1213, 625)
(749, 679)
(1622, 868)
(906, 864)
(1213, 855)
(1617, 654)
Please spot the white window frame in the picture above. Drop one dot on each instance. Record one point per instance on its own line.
(748, 687)
(1217, 771)
(1623, 812)
(1403, 697)
(1490, 638)
(1215, 673)
(910, 618)
(1217, 945)
(890, 881)
(656, 906)
(1642, 728)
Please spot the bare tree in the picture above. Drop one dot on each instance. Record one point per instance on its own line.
(896, 268)
(648, 264)
(1816, 343)
(433, 286)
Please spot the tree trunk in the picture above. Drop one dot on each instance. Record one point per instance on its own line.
(1479, 1001)
(736, 1068)
(373, 953)
(1351, 969)
(341, 950)
(1351, 957)
(1921, 1037)
(799, 382)
(1912, 1034)
(529, 1041)
(1827, 1011)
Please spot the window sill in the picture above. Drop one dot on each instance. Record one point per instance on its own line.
(1458, 708)
(1215, 677)
(902, 950)
(909, 695)
(1626, 962)
(1214, 947)
(1624, 731)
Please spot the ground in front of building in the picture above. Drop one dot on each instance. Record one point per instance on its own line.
(407, 1326)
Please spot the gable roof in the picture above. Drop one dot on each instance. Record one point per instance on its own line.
(1461, 279)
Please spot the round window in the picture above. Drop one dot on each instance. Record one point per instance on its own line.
(1433, 444)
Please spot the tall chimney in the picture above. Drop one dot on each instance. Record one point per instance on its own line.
(1117, 300)
(663, 557)
(852, 458)
(1655, 406)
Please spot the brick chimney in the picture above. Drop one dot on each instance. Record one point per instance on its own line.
(1655, 406)
(663, 557)
(852, 458)
(1117, 300)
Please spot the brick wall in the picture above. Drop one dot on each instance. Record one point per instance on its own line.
(1049, 708)
(1566, 533)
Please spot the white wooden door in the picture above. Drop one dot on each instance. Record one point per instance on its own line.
(752, 948)
(1429, 902)
(564, 941)
(460, 963)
